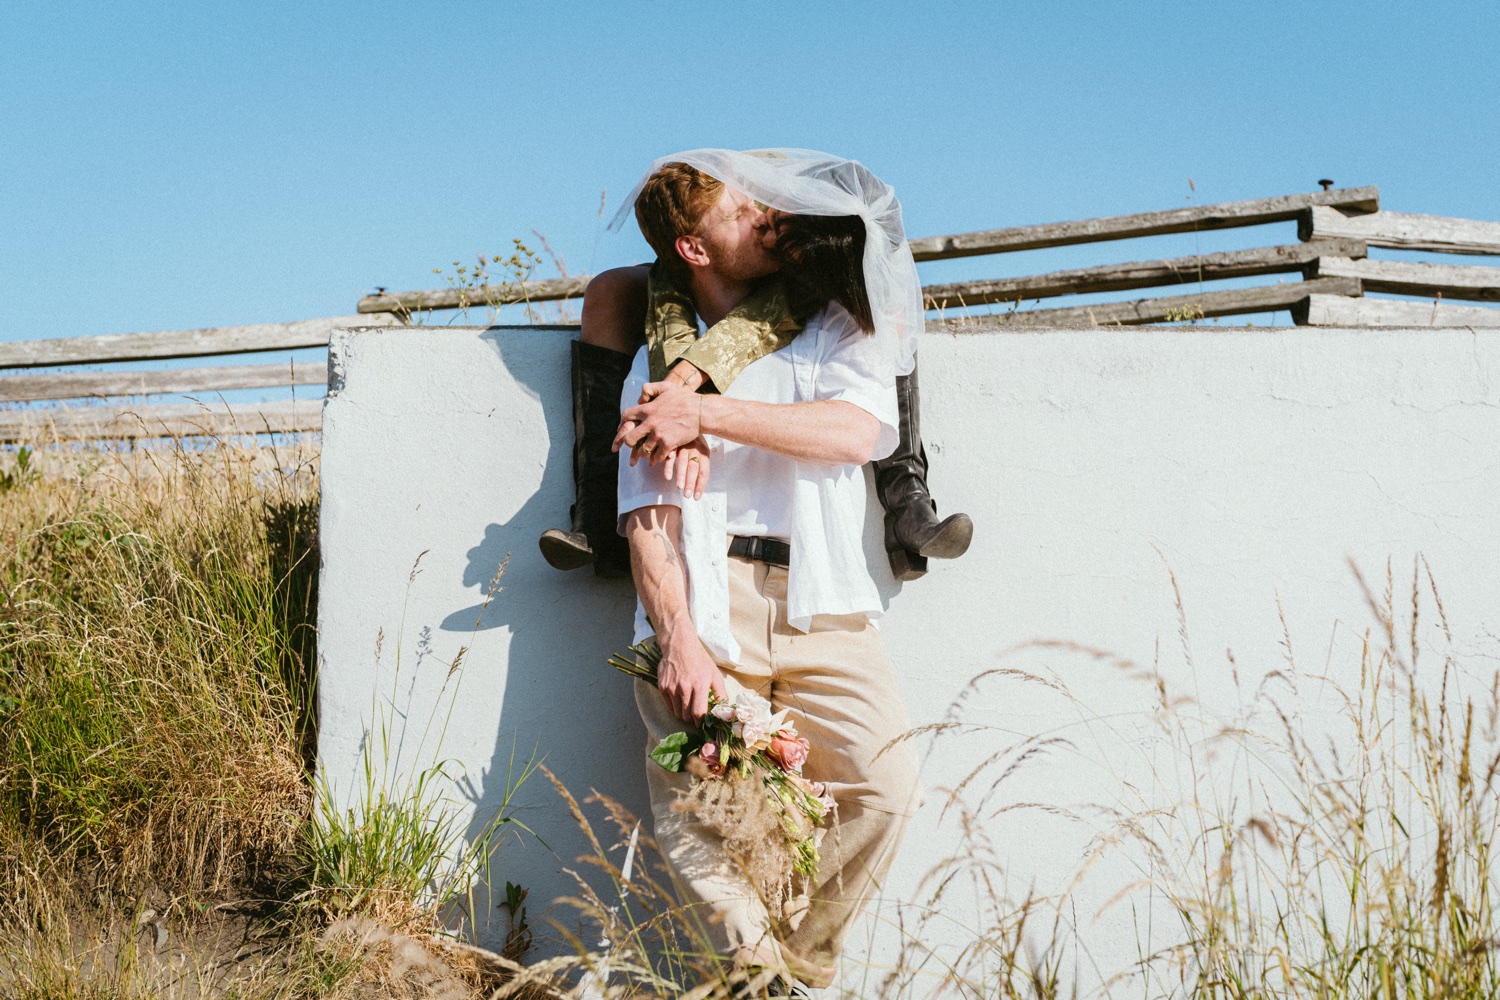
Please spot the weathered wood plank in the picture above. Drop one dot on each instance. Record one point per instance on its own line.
(481, 297)
(76, 385)
(1141, 274)
(1400, 277)
(1171, 308)
(98, 423)
(179, 343)
(1226, 215)
(1333, 310)
(1403, 231)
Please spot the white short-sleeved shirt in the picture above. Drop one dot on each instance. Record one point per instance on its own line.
(820, 509)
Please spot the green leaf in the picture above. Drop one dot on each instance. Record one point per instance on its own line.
(669, 752)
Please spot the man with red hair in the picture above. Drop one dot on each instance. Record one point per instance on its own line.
(763, 579)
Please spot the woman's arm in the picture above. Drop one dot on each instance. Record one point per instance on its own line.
(761, 324)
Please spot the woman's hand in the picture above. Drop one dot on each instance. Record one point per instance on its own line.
(690, 463)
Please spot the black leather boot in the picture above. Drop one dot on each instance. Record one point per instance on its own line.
(913, 533)
(598, 378)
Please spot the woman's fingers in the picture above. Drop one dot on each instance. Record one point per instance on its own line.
(625, 435)
(702, 483)
(639, 438)
(692, 472)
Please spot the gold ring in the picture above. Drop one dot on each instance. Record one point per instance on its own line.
(647, 449)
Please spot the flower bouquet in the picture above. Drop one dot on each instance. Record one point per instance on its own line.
(749, 789)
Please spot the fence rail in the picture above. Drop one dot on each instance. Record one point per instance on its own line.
(1402, 231)
(1479, 284)
(1295, 257)
(1165, 309)
(176, 343)
(81, 385)
(406, 303)
(1226, 215)
(157, 420)
(1335, 310)
(1334, 272)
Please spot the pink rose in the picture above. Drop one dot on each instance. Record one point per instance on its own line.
(788, 751)
(706, 763)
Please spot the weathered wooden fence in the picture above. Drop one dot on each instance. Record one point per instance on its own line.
(152, 420)
(1335, 230)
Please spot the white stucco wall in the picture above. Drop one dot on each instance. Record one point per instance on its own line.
(1251, 463)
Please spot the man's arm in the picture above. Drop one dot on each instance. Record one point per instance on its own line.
(827, 431)
(687, 672)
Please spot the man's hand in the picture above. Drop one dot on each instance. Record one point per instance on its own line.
(686, 675)
(670, 420)
(687, 375)
(690, 463)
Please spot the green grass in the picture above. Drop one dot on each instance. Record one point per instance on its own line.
(403, 853)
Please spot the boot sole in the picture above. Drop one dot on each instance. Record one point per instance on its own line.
(562, 552)
(952, 539)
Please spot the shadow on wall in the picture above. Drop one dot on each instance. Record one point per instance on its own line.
(561, 699)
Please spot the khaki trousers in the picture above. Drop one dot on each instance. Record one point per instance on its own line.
(844, 698)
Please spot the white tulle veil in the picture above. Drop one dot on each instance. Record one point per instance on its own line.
(804, 182)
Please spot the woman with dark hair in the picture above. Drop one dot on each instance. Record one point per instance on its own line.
(823, 259)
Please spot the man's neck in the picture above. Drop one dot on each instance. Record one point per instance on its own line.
(714, 295)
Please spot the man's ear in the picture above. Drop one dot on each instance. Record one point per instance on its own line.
(692, 250)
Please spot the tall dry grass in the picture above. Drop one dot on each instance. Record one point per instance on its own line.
(161, 833)
(156, 719)
(156, 654)
(1331, 836)
(1354, 856)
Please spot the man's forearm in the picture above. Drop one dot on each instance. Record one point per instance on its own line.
(826, 431)
(660, 578)
(687, 674)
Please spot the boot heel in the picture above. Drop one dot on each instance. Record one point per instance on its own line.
(905, 564)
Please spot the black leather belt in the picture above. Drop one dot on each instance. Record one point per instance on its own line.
(772, 551)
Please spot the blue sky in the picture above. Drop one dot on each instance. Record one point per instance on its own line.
(172, 165)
